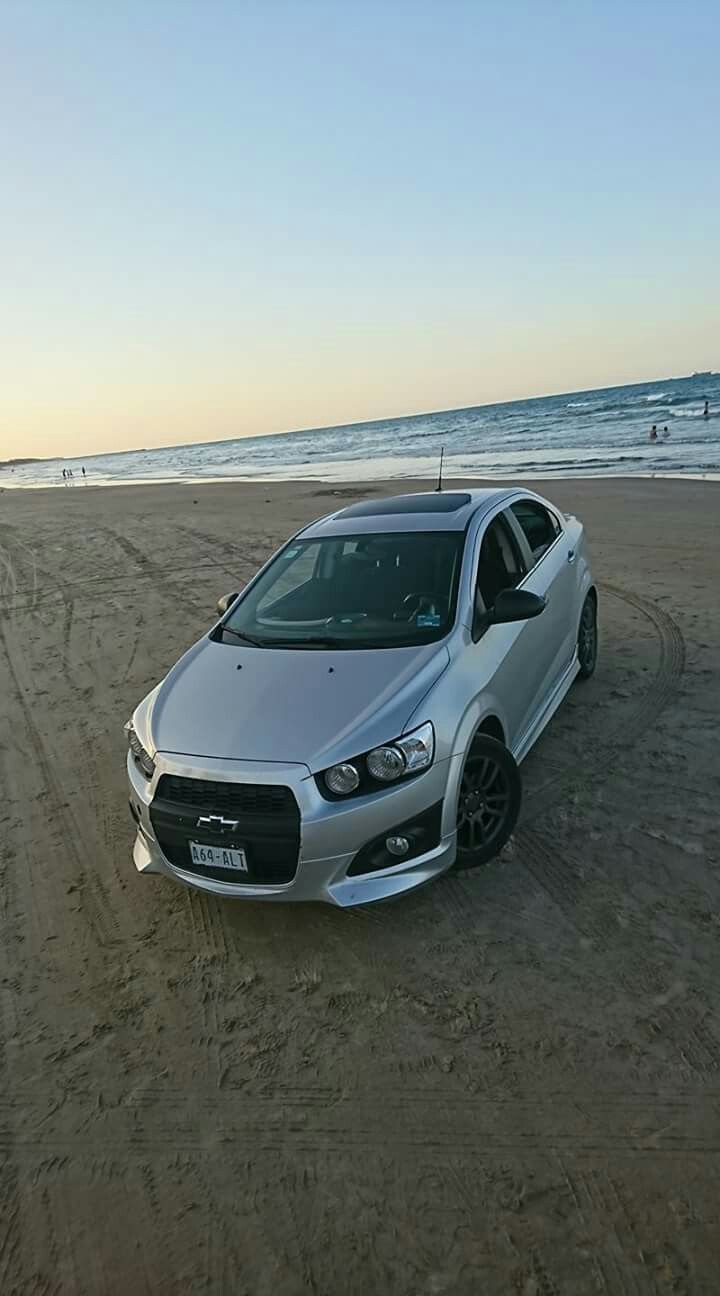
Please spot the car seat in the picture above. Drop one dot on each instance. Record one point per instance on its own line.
(493, 575)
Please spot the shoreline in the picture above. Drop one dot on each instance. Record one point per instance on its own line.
(340, 483)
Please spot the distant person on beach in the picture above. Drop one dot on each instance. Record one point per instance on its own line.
(666, 432)
(64, 477)
(653, 432)
(83, 473)
(706, 411)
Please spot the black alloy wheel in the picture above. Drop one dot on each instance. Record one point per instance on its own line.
(588, 638)
(489, 802)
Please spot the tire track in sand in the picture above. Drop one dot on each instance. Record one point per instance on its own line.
(205, 924)
(631, 726)
(563, 878)
(166, 582)
(96, 905)
(557, 875)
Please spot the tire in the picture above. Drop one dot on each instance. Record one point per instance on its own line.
(587, 645)
(488, 803)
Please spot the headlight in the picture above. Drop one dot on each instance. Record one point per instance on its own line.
(143, 759)
(418, 748)
(383, 765)
(408, 755)
(386, 764)
(342, 779)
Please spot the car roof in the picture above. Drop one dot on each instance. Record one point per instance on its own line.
(424, 511)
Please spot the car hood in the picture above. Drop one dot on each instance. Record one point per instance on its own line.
(313, 707)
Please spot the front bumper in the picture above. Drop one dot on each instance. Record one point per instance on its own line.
(331, 832)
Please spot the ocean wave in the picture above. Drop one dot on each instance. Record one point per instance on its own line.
(632, 405)
(579, 462)
(615, 407)
(691, 413)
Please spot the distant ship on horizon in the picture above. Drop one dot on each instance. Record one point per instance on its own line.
(703, 373)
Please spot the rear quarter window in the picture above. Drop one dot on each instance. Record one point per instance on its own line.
(539, 525)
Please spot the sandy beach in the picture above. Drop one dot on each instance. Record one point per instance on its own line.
(506, 1083)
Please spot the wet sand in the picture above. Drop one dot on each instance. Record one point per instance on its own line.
(506, 1083)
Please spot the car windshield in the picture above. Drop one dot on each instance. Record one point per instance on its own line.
(356, 591)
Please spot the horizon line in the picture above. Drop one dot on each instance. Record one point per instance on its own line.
(337, 427)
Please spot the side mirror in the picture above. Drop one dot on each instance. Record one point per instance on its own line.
(516, 605)
(224, 603)
(510, 605)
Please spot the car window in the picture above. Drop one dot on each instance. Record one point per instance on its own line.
(359, 591)
(500, 565)
(297, 567)
(539, 526)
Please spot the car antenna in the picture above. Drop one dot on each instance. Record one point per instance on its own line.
(442, 453)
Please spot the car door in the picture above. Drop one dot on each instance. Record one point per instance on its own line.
(504, 663)
(549, 559)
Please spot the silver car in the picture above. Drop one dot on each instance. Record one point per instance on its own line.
(352, 726)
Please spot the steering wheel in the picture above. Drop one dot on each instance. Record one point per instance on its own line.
(414, 603)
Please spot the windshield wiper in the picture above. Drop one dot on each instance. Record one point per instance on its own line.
(246, 638)
(315, 641)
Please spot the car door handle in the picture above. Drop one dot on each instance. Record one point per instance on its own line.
(571, 555)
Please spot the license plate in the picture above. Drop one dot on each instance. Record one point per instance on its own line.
(219, 857)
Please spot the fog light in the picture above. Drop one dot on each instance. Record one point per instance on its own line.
(397, 845)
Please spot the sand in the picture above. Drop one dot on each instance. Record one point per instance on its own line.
(506, 1083)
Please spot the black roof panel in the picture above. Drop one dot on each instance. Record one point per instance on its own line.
(437, 502)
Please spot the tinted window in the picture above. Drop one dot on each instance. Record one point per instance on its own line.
(357, 591)
(500, 565)
(541, 529)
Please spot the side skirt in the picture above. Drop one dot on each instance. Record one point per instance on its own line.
(547, 711)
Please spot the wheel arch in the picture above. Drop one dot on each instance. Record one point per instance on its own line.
(491, 726)
(473, 852)
(479, 721)
(590, 592)
(591, 596)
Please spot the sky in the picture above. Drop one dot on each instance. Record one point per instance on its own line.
(223, 218)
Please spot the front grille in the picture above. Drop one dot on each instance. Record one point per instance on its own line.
(240, 798)
(268, 827)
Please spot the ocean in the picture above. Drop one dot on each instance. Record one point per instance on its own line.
(591, 433)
